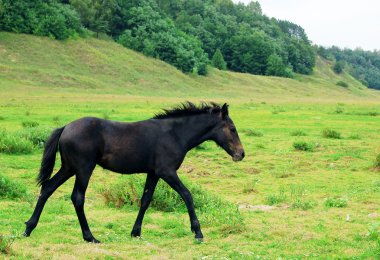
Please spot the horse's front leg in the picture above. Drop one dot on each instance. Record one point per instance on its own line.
(173, 180)
(150, 186)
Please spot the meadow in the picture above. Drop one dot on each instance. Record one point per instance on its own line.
(309, 186)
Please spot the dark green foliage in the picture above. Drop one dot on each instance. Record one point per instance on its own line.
(249, 52)
(304, 146)
(40, 17)
(218, 60)
(276, 67)
(342, 84)
(10, 189)
(149, 32)
(95, 14)
(363, 65)
(329, 133)
(338, 67)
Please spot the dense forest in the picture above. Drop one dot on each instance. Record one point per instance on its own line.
(363, 65)
(189, 34)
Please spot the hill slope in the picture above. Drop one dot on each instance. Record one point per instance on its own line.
(103, 66)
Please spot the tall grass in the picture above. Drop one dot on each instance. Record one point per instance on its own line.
(126, 193)
(10, 189)
(13, 144)
(329, 133)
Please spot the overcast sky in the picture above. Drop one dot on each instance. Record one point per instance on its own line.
(331, 22)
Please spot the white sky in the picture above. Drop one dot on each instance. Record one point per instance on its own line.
(331, 22)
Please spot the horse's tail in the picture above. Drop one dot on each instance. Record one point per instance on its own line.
(48, 159)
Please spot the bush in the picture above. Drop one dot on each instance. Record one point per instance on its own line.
(298, 133)
(338, 67)
(342, 84)
(252, 132)
(336, 202)
(13, 144)
(303, 146)
(127, 191)
(329, 133)
(30, 124)
(10, 189)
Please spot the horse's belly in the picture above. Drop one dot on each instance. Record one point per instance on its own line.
(122, 164)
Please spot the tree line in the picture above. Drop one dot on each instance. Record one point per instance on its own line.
(362, 65)
(189, 34)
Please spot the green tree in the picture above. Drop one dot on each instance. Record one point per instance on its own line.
(218, 60)
(249, 52)
(338, 67)
(276, 67)
(95, 14)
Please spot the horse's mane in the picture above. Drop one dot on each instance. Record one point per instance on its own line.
(188, 109)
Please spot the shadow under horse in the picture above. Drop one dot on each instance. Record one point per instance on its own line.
(155, 146)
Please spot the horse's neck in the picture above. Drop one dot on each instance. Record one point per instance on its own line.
(193, 130)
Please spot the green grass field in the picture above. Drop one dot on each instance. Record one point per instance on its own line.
(299, 193)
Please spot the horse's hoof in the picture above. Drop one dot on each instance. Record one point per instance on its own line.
(92, 240)
(136, 233)
(25, 234)
(199, 239)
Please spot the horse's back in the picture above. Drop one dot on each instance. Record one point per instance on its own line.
(120, 147)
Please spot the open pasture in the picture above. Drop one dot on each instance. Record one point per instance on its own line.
(308, 186)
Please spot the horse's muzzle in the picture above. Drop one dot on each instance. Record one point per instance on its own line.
(238, 156)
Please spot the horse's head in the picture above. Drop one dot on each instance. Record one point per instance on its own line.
(226, 135)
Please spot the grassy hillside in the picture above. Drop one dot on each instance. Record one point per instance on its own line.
(99, 66)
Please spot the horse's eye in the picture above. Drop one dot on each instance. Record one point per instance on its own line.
(233, 130)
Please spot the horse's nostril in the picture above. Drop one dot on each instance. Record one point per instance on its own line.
(242, 154)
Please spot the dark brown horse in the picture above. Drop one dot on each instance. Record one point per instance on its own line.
(156, 146)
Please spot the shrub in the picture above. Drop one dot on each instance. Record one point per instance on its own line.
(339, 110)
(298, 133)
(10, 189)
(30, 124)
(338, 67)
(252, 132)
(303, 204)
(329, 133)
(336, 202)
(13, 144)
(342, 84)
(303, 146)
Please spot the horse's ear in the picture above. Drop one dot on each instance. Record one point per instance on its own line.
(224, 110)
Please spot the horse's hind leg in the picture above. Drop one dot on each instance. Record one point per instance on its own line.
(47, 190)
(78, 197)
